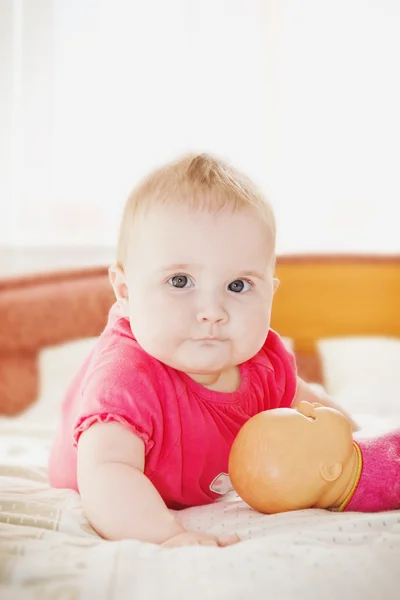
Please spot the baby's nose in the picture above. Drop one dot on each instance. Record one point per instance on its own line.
(212, 316)
(211, 310)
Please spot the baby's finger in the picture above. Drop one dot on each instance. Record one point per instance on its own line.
(209, 543)
(228, 539)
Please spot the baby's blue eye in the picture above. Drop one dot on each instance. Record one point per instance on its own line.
(180, 281)
(239, 285)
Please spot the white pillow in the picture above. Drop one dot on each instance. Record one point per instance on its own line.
(57, 367)
(363, 374)
(288, 343)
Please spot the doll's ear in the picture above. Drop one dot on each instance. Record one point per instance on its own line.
(275, 284)
(330, 472)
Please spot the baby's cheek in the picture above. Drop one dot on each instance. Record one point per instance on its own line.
(258, 317)
(256, 329)
(161, 327)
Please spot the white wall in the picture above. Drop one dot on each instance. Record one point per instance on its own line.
(6, 117)
(334, 123)
(302, 95)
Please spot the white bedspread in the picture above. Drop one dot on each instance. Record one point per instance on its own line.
(48, 550)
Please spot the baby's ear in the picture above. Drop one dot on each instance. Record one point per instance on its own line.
(120, 287)
(330, 472)
(275, 283)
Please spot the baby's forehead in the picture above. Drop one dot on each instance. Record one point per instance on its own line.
(238, 240)
(179, 221)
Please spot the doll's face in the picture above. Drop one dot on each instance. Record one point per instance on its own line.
(286, 458)
(308, 431)
(318, 429)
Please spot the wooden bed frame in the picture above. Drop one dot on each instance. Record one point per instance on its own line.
(330, 296)
(319, 297)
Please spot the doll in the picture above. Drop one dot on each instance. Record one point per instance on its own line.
(289, 459)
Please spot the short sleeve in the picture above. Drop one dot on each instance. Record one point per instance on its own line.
(283, 371)
(118, 387)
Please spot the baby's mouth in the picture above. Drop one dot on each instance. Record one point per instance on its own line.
(210, 338)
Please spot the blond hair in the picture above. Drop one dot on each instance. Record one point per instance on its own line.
(198, 182)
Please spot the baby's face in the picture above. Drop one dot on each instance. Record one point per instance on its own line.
(200, 287)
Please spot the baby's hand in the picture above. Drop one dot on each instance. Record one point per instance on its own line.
(194, 538)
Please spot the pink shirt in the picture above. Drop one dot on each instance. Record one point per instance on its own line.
(187, 429)
(379, 485)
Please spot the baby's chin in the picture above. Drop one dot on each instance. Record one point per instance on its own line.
(201, 369)
(204, 359)
(200, 366)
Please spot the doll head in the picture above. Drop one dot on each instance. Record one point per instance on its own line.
(288, 459)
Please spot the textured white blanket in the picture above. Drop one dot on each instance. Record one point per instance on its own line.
(48, 550)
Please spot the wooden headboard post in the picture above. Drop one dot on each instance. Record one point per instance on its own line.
(37, 311)
(330, 296)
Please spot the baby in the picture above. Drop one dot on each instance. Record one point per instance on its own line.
(186, 358)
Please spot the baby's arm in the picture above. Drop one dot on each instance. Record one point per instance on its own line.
(119, 501)
(309, 394)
